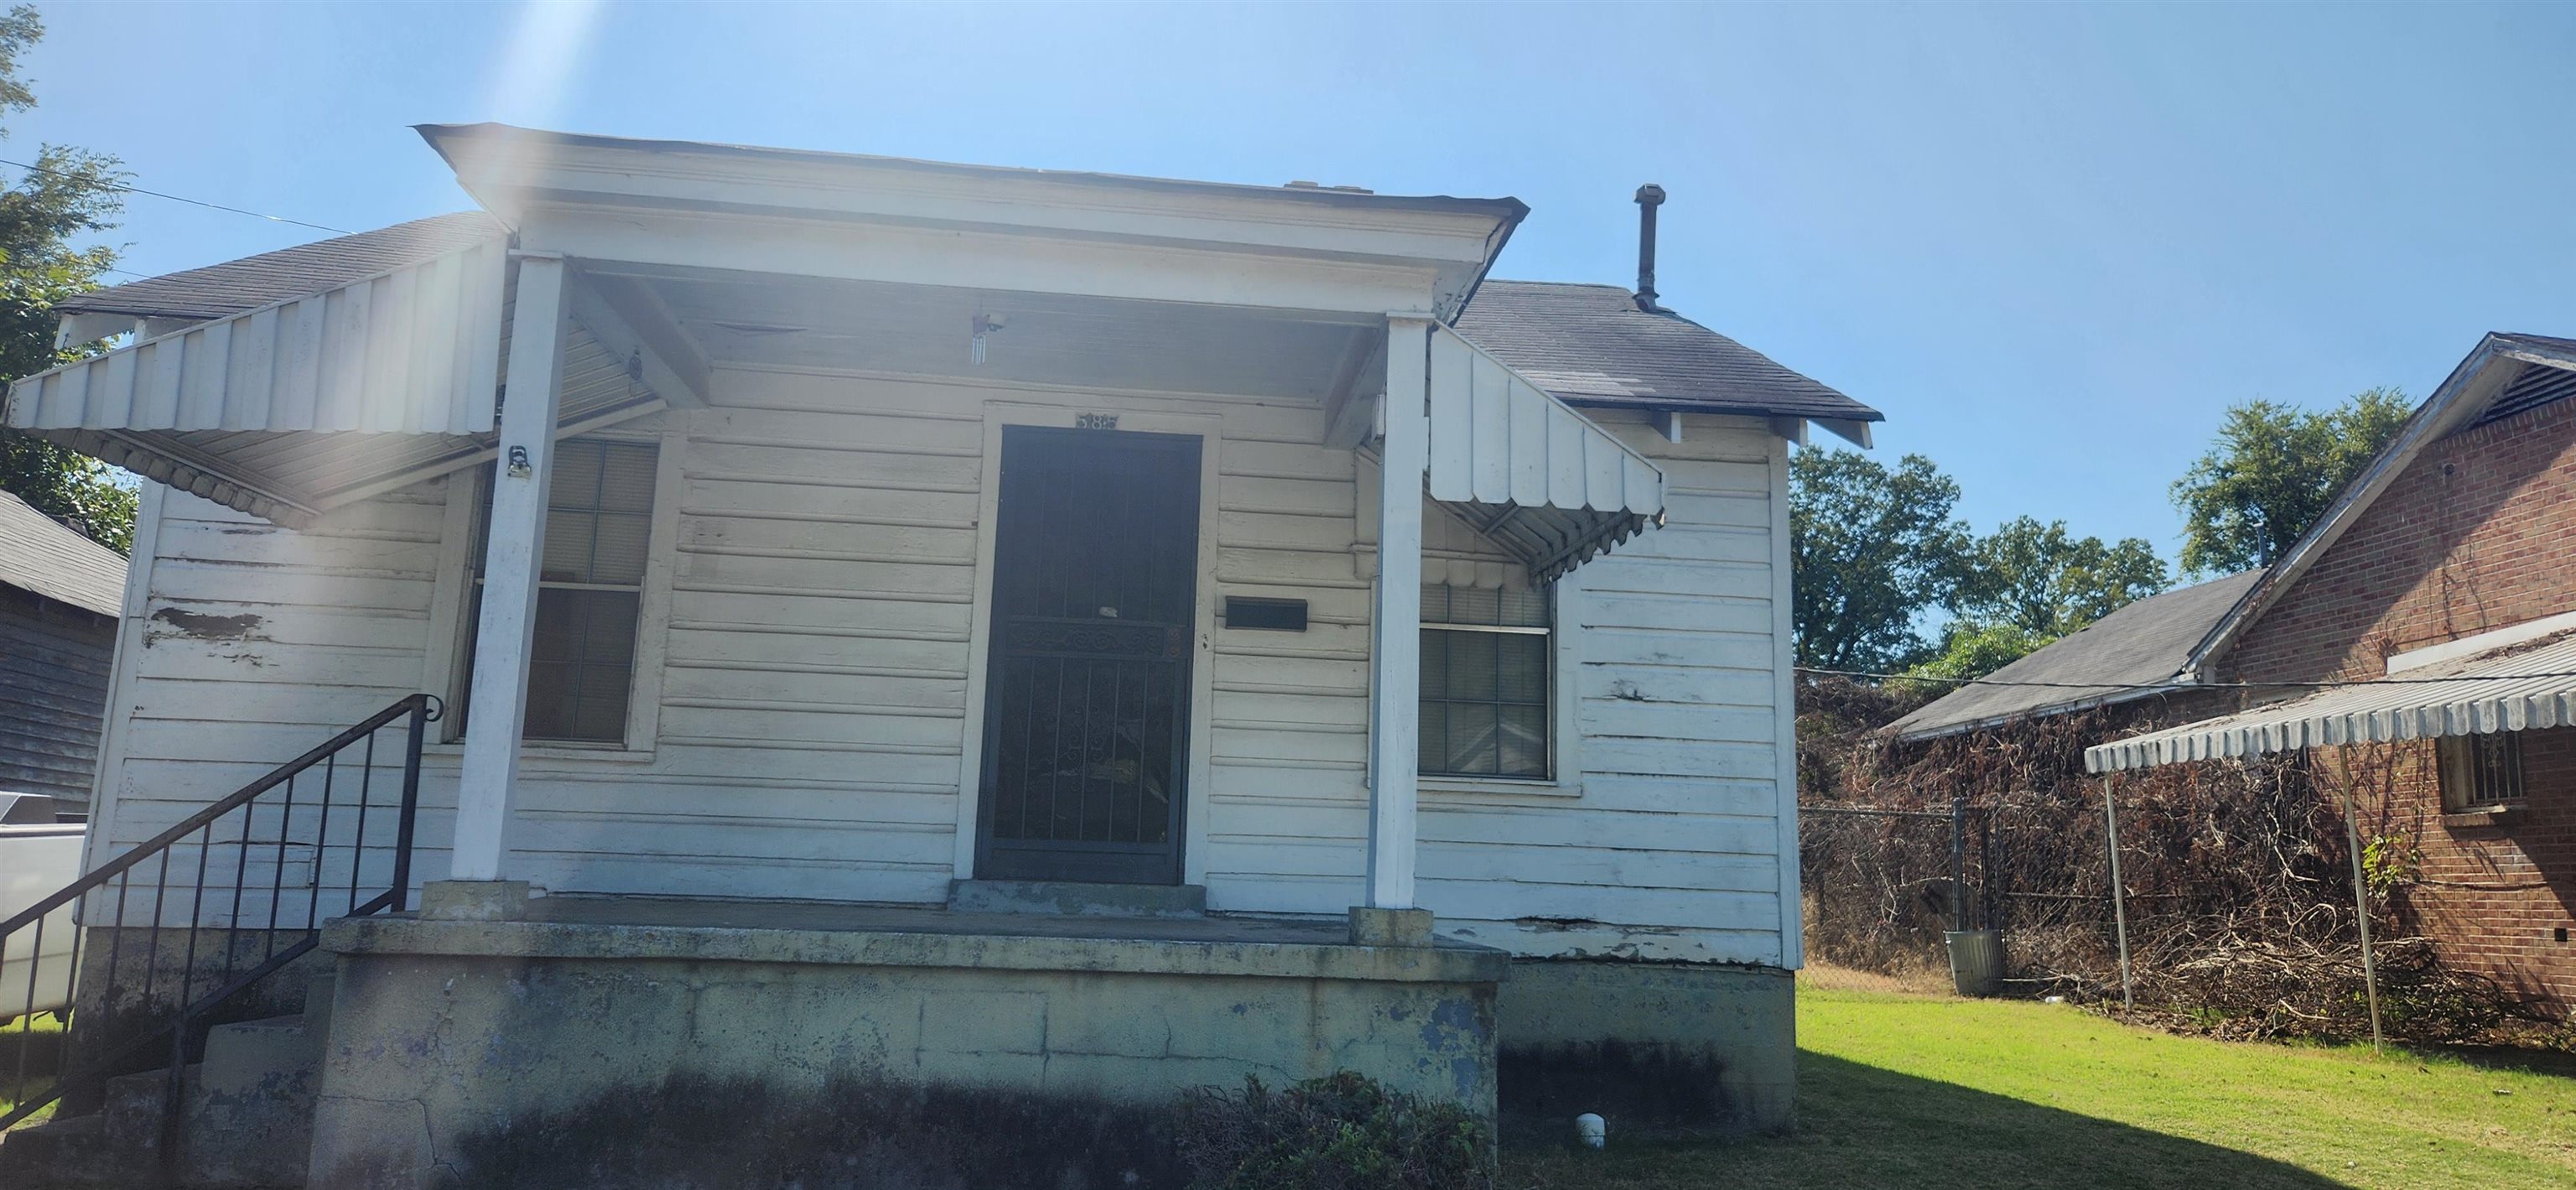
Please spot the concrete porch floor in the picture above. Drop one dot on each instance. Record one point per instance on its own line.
(916, 936)
(824, 916)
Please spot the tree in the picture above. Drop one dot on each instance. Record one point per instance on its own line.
(1972, 650)
(68, 195)
(2046, 582)
(2271, 474)
(1873, 549)
(2027, 584)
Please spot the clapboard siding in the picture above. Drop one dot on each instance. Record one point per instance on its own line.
(1671, 851)
(814, 695)
(258, 642)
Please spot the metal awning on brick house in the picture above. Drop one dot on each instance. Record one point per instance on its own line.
(2519, 687)
(288, 409)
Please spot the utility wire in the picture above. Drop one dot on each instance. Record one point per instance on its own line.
(2116, 686)
(194, 202)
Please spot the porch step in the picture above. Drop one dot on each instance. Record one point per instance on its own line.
(1071, 899)
(118, 1146)
(66, 1154)
(249, 1115)
(246, 1117)
(134, 1108)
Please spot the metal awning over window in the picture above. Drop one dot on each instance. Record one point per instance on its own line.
(1525, 469)
(297, 407)
(2519, 687)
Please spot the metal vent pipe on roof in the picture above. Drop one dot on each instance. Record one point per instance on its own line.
(1649, 196)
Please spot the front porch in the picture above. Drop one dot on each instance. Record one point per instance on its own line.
(443, 1033)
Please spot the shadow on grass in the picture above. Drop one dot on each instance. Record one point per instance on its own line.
(1863, 1126)
(2522, 1061)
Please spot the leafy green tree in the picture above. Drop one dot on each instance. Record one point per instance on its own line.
(67, 196)
(1972, 650)
(2046, 582)
(2271, 474)
(1874, 549)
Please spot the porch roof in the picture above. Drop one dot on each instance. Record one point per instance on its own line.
(285, 407)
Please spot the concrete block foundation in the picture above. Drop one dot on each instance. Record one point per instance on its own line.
(1646, 1045)
(454, 1043)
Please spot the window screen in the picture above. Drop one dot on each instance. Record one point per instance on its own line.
(1485, 658)
(599, 524)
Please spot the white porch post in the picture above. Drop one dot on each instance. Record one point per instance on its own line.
(1395, 653)
(516, 546)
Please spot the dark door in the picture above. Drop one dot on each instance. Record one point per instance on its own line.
(1086, 711)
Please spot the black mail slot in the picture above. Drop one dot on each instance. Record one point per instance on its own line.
(1273, 615)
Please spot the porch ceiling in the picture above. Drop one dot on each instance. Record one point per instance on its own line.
(746, 319)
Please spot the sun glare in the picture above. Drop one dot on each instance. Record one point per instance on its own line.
(546, 46)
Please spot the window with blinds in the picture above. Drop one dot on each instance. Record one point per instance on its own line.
(590, 590)
(1485, 687)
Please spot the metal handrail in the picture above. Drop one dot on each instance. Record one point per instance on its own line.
(105, 1053)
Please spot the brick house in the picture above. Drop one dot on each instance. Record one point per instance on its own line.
(2440, 578)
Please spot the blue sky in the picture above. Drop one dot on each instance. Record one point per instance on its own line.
(2051, 242)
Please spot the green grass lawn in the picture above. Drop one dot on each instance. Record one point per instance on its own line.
(1929, 1093)
(32, 1045)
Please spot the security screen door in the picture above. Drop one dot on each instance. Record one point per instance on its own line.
(1086, 712)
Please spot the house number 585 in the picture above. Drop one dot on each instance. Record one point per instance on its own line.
(1095, 421)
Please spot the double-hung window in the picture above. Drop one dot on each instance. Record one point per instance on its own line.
(1485, 681)
(2481, 771)
(590, 590)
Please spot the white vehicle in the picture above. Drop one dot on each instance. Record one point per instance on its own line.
(38, 856)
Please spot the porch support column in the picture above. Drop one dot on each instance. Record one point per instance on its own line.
(532, 394)
(1395, 652)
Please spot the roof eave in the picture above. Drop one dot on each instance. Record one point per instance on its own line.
(2171, 685)
(444, 138)
(1721, 406)
(1392, 252)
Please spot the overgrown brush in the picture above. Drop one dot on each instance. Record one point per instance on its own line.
(1343, 1131)
(2238, 875)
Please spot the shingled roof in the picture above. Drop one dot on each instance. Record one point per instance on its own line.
(2128, 654)
(38, 554)
(1588, 345)
(1591, 345)
(219, 290)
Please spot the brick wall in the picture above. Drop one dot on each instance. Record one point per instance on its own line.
(2478, 533)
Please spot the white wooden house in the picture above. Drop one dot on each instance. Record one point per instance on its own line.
(932, 591)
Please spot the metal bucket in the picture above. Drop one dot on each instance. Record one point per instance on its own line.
(1976, 960)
